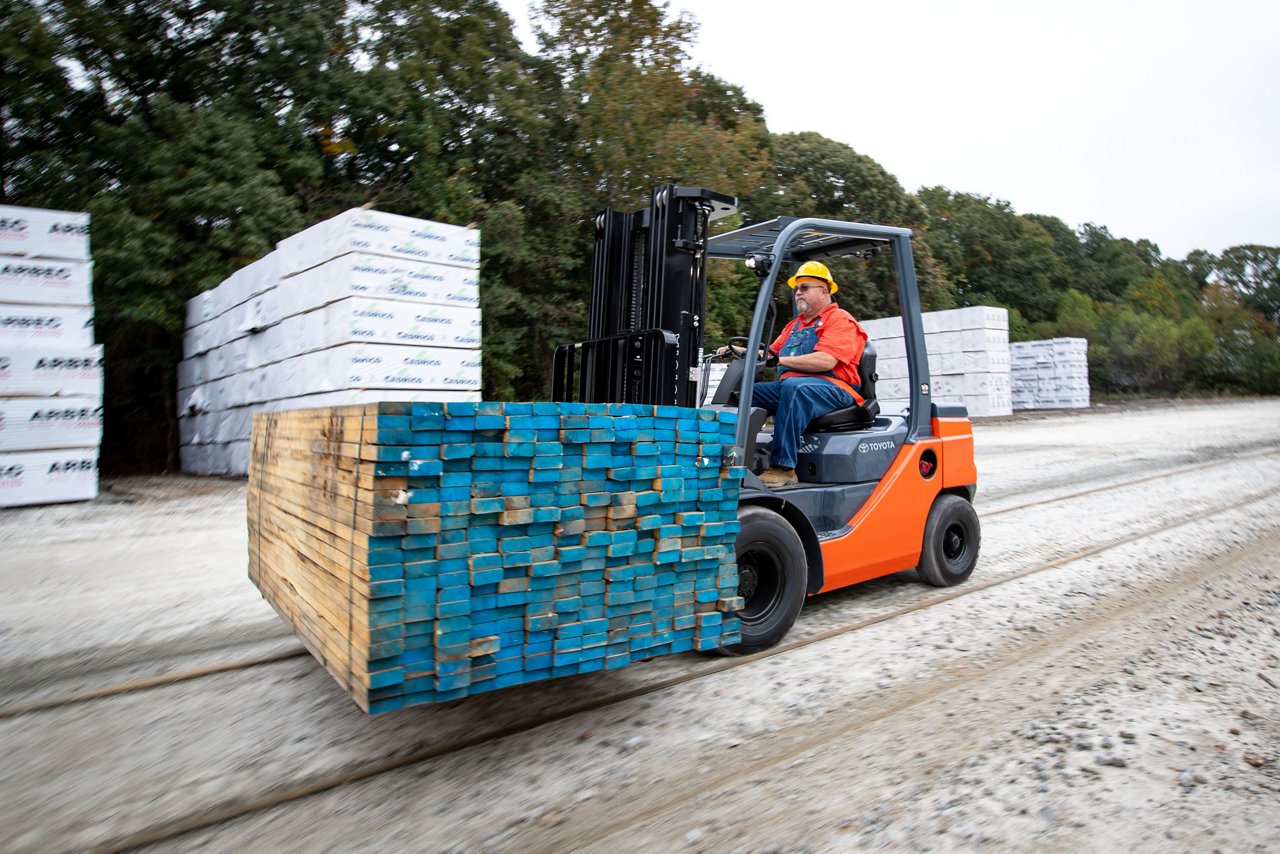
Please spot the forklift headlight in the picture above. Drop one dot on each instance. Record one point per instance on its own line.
(759, 262)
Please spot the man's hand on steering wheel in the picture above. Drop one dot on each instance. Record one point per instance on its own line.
(737, 348)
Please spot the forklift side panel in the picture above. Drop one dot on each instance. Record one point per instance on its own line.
(861, 457)
(958, 466)
(886, 534)
(830, 509)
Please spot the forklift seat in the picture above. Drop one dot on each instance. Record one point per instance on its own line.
(859, 415)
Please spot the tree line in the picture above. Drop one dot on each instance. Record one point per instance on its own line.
(197, 133)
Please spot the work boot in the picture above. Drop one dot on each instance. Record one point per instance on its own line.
(777, 476)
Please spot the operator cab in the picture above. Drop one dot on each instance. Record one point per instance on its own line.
(844, 453)
(859, 418)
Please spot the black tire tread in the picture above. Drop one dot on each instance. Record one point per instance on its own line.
(934, 568)
(759, 521)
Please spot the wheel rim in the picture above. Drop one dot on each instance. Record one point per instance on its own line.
(761, 581)
(954, 543)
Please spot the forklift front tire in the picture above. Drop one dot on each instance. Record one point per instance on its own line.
(772, 579)
(951, 539)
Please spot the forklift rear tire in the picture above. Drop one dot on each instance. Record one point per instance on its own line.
(951, 540)
(772, 578)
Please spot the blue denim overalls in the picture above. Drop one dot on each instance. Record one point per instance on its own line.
(795, 401)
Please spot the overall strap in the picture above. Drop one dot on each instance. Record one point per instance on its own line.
(803, 340)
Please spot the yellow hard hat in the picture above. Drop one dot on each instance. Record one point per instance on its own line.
(814, 270)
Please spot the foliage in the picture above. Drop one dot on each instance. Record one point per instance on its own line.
(1154, 325)
(633, 116)
(43, 118)
(991, 255)
(1138, 352)
(1155, 295)
(1162, 338)
(812, 175)
(1253, 272)
(192, 205)
(1247, 358)
(1077, 316)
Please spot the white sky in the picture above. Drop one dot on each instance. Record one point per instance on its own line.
(1159, 120)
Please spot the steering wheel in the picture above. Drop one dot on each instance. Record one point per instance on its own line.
(739, 346)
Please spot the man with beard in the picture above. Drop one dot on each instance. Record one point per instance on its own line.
(818, 355)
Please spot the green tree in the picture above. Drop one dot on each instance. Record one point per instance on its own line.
(279, 64)
(1077, 316)
(418, 119)
(991, 255)
(638, 117)
(1117, 262)
(193, 204)
(1137, 352)
(1154, 295)
(718, 102)
(1078, 270)
(629, 115)
(1247, 356)
(812, 175)
(1253, 272)
(484, 140)
(44, 119)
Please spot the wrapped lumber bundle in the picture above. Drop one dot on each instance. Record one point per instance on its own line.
(428, 551)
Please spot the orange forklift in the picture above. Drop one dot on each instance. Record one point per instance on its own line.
(877, 493)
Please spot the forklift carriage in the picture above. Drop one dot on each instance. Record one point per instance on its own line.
(878, 493)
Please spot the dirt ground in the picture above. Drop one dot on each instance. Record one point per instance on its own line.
(1126, 698)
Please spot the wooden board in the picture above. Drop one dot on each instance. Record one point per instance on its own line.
(407, 599)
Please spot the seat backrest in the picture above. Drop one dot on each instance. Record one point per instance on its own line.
(867, 372)
(858, 415)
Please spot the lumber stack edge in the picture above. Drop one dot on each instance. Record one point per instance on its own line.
(424, 552)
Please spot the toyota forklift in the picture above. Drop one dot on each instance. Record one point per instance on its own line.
(877, 493)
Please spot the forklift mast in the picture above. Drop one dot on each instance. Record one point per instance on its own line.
(648, 292)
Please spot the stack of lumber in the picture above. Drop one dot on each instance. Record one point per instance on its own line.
(364, 307)
(427, 551)
(50, 369)
(1050, 374)
(968, 359)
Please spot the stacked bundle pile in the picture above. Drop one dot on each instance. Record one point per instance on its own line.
(50, 369)
(968, 359)
(1052, 374)
(425, 551)
(366, 306)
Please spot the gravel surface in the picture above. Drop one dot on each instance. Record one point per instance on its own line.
(1127, 697)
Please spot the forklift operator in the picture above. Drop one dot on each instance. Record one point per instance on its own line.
(817, 355)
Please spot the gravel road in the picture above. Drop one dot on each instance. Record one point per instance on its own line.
(1126, 697)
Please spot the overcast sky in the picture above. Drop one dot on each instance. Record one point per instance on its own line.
(1159, 120)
